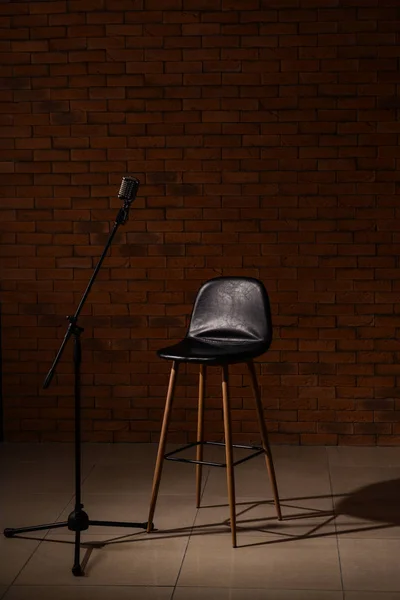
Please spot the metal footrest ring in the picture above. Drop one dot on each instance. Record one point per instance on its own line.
(171, 455)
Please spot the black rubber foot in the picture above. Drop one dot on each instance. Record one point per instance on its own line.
(151, 528)
(78, 571)
(8, 533)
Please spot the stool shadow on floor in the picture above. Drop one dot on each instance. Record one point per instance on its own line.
(375, 505)
(378, 502)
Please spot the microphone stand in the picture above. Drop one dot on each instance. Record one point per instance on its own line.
(78, 520)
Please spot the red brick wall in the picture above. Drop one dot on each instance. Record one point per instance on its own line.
(265, 135)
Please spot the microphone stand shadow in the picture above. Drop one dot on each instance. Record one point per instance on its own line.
(78, 520)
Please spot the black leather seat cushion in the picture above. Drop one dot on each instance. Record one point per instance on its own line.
(192, 350)
(230, 322)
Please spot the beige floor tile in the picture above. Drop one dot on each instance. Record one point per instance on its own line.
(33, 477)
(371, 596)
(55, 475)
(129, 478)
(302, 473)
(297, 480)
(312, 455)
(21, 510)
(346, 456)
(126, 561)
(172, 512)
(33, 451)
(116, 592)
(302, 518)
(380, 481)
(187, 593)
(371, 565)
(259, 563)
(14, 555)
(47, 454)
(132, 453)
(303, 481)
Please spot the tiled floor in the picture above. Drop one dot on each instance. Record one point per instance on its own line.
(339, 539)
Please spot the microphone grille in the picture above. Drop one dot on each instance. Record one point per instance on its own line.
(129, 188)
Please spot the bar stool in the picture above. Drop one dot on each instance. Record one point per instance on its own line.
(230, 323)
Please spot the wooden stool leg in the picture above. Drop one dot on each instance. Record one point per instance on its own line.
(162, 444)
(229, 451)
(264, 437)
(200, 432)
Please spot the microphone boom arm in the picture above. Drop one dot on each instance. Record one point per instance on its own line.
(128, 196)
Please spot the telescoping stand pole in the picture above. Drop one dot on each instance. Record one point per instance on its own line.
(78, 520)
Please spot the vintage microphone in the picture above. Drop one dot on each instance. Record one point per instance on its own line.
(78, 520)
(127, 193)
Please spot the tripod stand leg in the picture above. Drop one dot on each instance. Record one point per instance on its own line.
(11, 531)
(77, 569)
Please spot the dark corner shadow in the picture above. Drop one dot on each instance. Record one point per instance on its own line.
(376, 505)
(378, 502)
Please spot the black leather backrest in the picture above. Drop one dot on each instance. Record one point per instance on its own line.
(232, 308)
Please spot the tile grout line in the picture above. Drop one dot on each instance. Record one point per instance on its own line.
(333, 505)
(189, 537)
